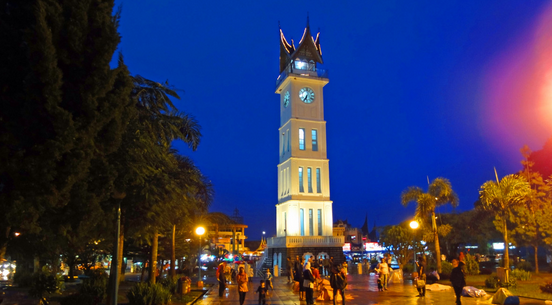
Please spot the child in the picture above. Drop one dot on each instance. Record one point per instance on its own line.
(380, 286)
(262, 290)
(269, 279)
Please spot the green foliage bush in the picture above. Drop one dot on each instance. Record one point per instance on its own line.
(93, 290)
(547, 287)
(520, 274)
(96, 285)
(492, 281)
(147, 294)
(527, 266)
(170, 283)
(472, 266)
(43, 284)
(446, 268)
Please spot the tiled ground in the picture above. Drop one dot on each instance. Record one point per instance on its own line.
(362, 289)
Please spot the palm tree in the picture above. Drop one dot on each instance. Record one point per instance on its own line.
(501, 198)
(439, 193)
(145, 154)
(197, 195)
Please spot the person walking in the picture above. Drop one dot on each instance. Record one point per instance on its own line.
(289, 272)
(338, 282)
(250, 274)
(421, 279)
(383, 270)
(268, 280)
(242, 280)
(263, 291)
(221, 278)
(299, 277)
(458, 279)
(346, 267)
(326, 266)
(308, 283)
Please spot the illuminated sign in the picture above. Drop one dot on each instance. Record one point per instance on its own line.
(347, 247)
(372, 246)
(498, 246)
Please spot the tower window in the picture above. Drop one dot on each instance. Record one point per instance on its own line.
(283, 143)
(318, 184)
(301, 188)
(319, 222)
(301, 138)
(309, 179)
(302, 219)
(311, 224)
(314, 140)
(285, 223)
(288, 141)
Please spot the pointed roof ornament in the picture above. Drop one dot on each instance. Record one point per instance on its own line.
(364, 228)
(307, 50)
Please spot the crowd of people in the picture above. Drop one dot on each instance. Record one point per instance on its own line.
(307, 276)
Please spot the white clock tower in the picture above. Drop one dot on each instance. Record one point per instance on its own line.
(304, 210)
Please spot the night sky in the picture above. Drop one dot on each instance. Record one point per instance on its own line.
(417, 89)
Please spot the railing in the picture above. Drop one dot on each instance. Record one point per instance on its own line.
(306, 241)
(261, 261)
(301, 68)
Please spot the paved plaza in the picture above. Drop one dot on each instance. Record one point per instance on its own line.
(362, 289)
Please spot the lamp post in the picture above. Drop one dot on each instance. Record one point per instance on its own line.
(414, 225)
(199, 231)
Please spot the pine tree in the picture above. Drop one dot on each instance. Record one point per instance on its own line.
(63, 108)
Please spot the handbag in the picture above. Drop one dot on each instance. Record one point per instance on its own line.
(420, 283)
(308, 284)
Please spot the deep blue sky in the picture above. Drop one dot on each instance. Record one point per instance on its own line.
(417, 88)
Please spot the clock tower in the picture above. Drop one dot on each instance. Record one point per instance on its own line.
(304, 219)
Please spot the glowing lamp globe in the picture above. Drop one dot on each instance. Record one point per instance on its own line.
(200, 230)
(414, 224)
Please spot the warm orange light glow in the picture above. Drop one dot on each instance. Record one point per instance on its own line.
(17, 234)
(200, 231)
(414, 224)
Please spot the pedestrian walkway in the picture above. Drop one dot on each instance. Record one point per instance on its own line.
(362, 290)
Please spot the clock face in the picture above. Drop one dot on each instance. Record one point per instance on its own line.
(286, 99)
(306, 95)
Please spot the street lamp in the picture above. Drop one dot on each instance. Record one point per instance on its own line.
(414, 225)
(199, 231)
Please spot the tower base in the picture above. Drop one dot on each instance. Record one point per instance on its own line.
(279, 248)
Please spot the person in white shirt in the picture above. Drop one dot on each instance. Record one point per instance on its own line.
(383, 270)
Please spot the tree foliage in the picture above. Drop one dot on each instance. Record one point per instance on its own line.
(474, 227)
(439, 193)
(531, 220)
(64, 110)
(541, 159)
(501, 198)
(402, 241)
